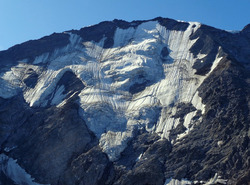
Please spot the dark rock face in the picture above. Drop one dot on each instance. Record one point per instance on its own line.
(221, 142)
(92, 167)
(142, 162)
(164, 52)
(5, 180)
(47, 139)
(31, 78)
(171, 24)
(13, 113)
(30, 49)
(246, 29)
(182, 110)
(205, 45)
(228, 112)
(138, 87)
(97, 32)
(211, 39)
(107, 29)
(70, 83)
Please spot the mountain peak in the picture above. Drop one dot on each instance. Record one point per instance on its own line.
(155, 101)
(246, 29)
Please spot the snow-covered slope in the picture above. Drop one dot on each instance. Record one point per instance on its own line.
(133, 84)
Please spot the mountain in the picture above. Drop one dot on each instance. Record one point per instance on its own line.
(158, 102)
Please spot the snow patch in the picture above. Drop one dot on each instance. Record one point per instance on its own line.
(233, 31)
(215, 63)
(41, 59)
(58, 95)
(15, 172)
(215, 180)
(39, 95)
(139, 157)
(111, 140)
(177, 182)
(197, 102)
(166, 123)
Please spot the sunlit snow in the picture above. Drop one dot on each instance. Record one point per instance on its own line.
(107, 106)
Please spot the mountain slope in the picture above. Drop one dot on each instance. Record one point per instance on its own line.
(146, 102)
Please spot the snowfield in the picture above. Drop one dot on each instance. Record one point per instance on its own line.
(136, 84)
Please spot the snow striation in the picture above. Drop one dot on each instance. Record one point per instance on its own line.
(177, 182)
(111, 104)
(215, 180)
(15, 172)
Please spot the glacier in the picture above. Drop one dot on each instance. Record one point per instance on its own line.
(136, 84)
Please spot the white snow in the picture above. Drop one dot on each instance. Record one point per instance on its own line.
(8, 149)
(41, 58)
(220, 143)
(177, 182)
(15, 172)
(197, 102)
(216, 179)
(12, 81)
(233, 31)
(139, 157)
(38, 96)
(58, 95)
(110, 140)
(166, 124)
(215, 63)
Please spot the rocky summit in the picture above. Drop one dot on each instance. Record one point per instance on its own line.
(156, 102)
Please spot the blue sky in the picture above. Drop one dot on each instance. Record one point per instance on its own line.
(22, 20)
